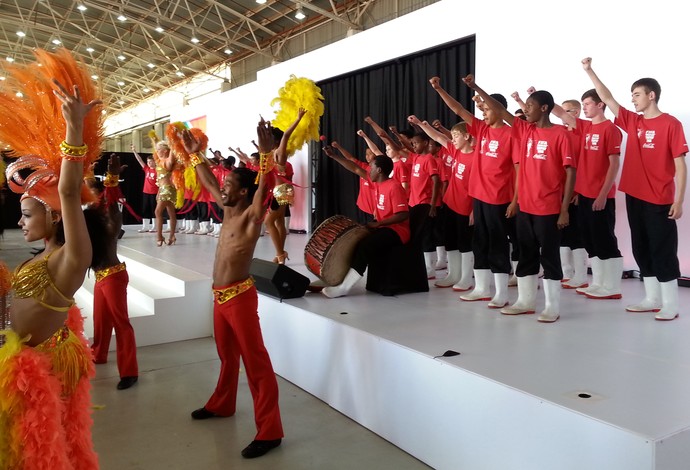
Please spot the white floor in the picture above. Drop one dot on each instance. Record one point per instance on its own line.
(636, 370)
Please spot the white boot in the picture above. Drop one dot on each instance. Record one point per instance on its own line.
(351, 278)
(482, 286)
(287, 225)
(466, 273)
(145, 226)
(193, 227)
(153, 226)
(216, 231)
(454, 269)
(566, 262)
(579, 277)
(500, 299)
(527, 296)
(430, 262)
(552, 307)
(597, 277)
(669, 301)
(441, 258)
(204, 228)
(512, 282)
(166, 227)
(612, 276)
(652, 297)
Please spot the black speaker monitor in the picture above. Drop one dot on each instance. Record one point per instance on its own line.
(277, 280)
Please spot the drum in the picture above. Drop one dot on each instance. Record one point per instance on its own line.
(330, 249)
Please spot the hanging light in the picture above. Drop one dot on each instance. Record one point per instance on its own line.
(300, 14)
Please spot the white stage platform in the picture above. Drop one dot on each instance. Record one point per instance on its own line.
(512, 399)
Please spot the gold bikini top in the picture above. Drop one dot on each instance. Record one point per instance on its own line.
(161, 173)
(32, 280)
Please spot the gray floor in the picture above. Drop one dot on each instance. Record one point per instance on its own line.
(149, 427)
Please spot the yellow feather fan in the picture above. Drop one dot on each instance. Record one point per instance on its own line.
(299, 93)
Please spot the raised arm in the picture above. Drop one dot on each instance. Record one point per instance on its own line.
(201, 166)
(516, 96)
(347, 164)
(280, 154)
(436, 124)
(344, 152)
(567, 118)
(76, 256)
(451, 102)
(603, 92)
(383, 135)
(260, 202)
(439, 137)
(489, 101)
(405, 143)
(243, 157)
(370, 143)
(137, 156)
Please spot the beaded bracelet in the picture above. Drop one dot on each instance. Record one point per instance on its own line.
(110, 180)
(74, 151)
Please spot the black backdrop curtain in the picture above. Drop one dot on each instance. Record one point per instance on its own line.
(388, 92)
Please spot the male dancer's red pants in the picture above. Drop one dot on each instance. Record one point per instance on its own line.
(238, 333)
(110, 310)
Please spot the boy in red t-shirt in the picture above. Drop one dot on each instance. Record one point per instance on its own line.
(365, 197)
(424, 193)
(457, 228)
(150, 190)
(390, 229)
(597, 169)
(653, 179)
(492, 187)
(545, 182)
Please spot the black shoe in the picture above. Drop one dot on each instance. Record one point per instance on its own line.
(203, 413)
(259, 448)
(126, 382)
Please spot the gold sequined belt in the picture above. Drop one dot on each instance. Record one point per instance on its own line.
(224, 294)
(56, 340)
(103, 273)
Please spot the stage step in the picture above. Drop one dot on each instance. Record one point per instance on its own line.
(160, 297)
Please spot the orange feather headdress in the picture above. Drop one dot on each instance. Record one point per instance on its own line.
(31, 123)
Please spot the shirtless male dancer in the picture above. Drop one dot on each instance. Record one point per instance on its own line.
(235, 313)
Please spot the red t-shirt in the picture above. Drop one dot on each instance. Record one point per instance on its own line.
(365, 198)
(150, 186)
(401, 172)
(650, 152)
(457, 197)
(493, 172)
(421, 182)
(445, 164)
(598, 142)
(390, 200)
(545, 153)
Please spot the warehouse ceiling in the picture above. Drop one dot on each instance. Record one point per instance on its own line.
(135, 48)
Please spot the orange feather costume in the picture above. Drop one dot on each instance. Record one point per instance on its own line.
(45, 405)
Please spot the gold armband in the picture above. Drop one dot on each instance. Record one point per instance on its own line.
(110, 180)
(73, 152)
(195, 159)
(266, 163)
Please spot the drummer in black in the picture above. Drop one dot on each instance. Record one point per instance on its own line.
(390, 228)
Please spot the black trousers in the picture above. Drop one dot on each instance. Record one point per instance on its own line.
(654, 239)
(375, 245)
(422, 227)
(491, 244)
(539, 239)
(458, 233)
(148, 206)
(598, 229)
(571, 236)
